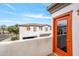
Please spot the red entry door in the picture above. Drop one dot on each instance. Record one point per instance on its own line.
(62, 41)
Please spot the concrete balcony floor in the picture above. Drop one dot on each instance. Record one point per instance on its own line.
(52, 54)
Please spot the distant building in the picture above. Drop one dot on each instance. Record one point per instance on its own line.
(32, 30)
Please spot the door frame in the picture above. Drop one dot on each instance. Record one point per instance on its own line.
(69, 34)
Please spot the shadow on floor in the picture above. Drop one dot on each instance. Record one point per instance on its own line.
(52, 54)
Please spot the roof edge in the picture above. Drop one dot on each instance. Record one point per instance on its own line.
(34, 24)
(52, 8)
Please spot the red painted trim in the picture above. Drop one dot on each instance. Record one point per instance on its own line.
(67, 15)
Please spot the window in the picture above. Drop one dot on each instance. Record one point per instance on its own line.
(62, 35)
(31, 37)
(43, 35)
(41, 28)
(62, 44)
(34, 29)
(50, 27)
(46, 29)
(28, 28)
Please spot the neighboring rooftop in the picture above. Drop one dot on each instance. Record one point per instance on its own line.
(34, 24)
(56, 6)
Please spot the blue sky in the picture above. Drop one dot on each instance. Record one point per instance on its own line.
(21, 13)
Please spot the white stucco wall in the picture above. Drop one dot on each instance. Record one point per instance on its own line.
(24, 33)
(75, 25)
(32, 47)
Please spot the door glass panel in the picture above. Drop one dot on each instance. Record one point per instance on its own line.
(61, 35)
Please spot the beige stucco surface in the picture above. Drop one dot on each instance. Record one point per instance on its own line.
(30, 47)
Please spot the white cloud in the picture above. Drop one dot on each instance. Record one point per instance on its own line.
(8, 21)
(11, 7)
(37, 16)
(10, 12)
(26, 19)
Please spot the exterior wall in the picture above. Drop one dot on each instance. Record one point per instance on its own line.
(24, 33)
(75, 25)
(32, 47)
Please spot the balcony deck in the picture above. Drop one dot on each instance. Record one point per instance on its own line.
(52, 54)
(33, 47)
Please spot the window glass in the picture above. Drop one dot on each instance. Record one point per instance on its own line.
(41, 28)
(62, 34)
(50, 27)
(46, 29)
(28, 28)
(34, 29)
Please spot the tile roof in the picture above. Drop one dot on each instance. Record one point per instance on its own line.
(34, 24)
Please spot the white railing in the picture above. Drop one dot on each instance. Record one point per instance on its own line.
(33, 47)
